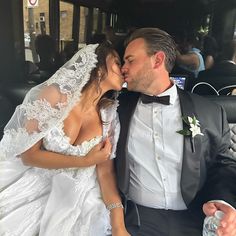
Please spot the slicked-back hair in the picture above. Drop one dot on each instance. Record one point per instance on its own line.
(156, 40)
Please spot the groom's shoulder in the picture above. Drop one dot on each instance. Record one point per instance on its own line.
(199, 99)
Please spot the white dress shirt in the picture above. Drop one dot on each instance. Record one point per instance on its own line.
(155, 152)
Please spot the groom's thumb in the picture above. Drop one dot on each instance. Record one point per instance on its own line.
(209, 208)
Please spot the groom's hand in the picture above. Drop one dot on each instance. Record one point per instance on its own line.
(227, 225)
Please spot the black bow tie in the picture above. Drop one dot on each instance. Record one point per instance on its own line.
(149, 99)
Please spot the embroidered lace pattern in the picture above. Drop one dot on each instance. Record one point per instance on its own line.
(41, 116)
(34, 186)
(42, 111)
(47, 104)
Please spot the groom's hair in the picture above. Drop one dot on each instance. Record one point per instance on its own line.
(156, 40)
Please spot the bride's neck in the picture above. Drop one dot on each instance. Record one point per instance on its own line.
(90, 98)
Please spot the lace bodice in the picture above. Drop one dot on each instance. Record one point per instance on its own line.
(79, 184)
(38, 201)
(57, 141)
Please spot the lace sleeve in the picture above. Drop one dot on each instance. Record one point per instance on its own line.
(115, 127)
(32, 120)
(47, 104)
(111, 126)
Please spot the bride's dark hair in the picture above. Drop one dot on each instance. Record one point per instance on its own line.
(99, 72)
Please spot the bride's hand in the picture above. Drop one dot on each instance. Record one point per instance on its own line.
(99, 153)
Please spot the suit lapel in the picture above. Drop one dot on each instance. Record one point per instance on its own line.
(190, 176)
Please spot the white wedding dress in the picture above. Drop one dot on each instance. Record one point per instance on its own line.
(56, 202)
(63, 202)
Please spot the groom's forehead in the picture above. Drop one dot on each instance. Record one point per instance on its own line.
(135, 48)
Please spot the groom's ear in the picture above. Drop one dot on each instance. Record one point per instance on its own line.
(159, 59)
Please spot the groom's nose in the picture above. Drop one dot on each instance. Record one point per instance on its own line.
(124, 69)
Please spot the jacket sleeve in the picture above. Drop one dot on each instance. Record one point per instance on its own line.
(221, 175)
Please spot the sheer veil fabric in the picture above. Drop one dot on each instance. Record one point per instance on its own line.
(47, 104)
(32, 200)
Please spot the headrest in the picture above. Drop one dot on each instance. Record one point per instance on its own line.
(228, 103)
(16, 92)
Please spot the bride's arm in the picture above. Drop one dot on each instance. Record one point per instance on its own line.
(111, 197)
(37, 157)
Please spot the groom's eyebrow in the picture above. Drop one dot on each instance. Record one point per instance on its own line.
(127, 57)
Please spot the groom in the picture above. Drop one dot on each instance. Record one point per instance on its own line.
(171, 155)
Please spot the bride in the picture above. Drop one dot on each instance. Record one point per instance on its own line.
(57, 175)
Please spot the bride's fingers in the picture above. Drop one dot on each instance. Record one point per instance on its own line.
(98, 147)
(107, 143)
(107, 146)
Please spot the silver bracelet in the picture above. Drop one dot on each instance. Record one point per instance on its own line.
(114, 205)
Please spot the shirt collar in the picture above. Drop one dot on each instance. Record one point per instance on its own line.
(172, 92)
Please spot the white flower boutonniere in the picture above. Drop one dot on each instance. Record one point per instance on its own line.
(192, 128)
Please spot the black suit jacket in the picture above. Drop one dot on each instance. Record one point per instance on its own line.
(208, 173)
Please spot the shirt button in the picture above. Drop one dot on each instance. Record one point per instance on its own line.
(156, 135)
(158, 158)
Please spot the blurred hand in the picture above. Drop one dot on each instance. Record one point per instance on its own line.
(99, 153)
(228, 222)
(120, 232)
